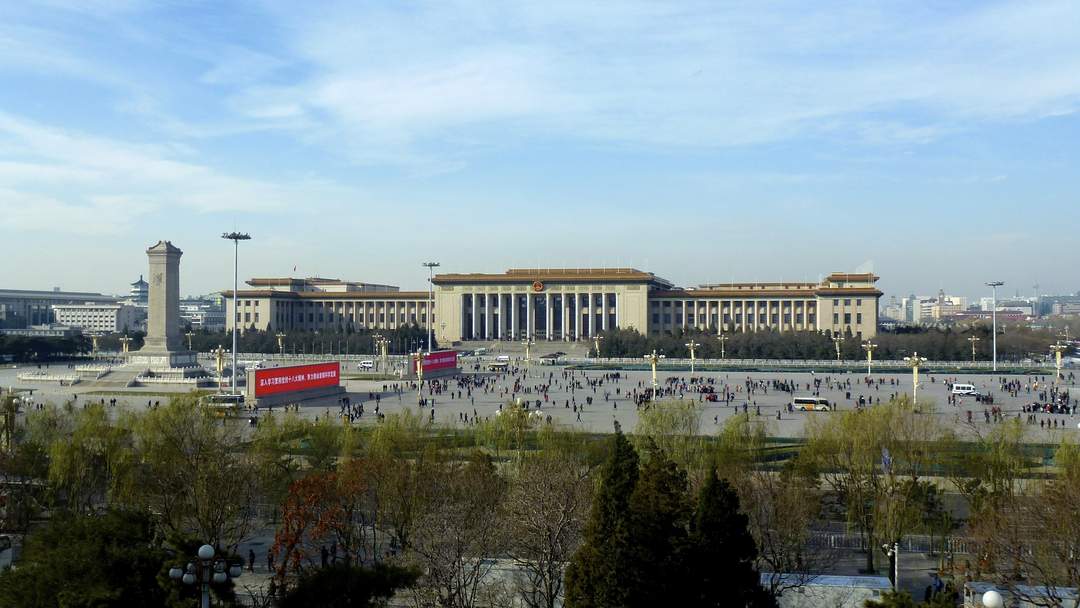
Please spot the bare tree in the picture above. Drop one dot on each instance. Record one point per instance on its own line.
(458, 534)
(546, 508)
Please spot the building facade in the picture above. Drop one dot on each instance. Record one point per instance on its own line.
(23, 308)
(100, 318)
(318, 304)
(562, 304)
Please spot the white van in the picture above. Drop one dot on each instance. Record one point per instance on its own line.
(502, 359)
(811, 404)
(964, 389)
(368, 364)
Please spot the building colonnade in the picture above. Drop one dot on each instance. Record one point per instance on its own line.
(519, 315)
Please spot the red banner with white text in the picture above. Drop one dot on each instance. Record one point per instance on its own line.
(433, 362)
(277, 380)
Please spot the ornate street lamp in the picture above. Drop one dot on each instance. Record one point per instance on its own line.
(915, 361)
(869, 347)
(204, 571)
(653, 358)
(692, 346)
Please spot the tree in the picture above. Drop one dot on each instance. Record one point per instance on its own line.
(83, 561)
(546, 507)
(93, 462)
(193, 472)
(457, 533)
(720, 565)
(595, 577)
(348, 586)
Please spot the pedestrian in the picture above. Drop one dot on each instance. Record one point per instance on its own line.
(251, 560)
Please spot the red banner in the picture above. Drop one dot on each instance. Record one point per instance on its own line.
(433, 362)
(277, 380)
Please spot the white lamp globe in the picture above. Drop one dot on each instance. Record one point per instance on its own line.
(992, 599)
(206, 552)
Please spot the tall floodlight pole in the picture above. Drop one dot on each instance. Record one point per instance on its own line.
(993, 313)
(431, 266)
(235, 237)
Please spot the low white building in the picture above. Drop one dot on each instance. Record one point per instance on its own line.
(97, 318)
(830, 591)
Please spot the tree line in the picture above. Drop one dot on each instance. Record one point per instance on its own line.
(517, 510)
(937, 344)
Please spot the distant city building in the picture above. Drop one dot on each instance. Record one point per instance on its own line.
(561, 304)
(203, 313)
(43, 331)
(100, 318)
(25, 308)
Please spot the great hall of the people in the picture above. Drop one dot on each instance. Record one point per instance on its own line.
(559, 304)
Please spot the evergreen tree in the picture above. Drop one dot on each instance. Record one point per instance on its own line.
(597, 576)
(659, 521)
(720, 562)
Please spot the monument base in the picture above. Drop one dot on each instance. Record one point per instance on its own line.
(164, 360)
(168, 367)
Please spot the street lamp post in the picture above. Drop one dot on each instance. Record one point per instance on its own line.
(204, 570)
(125, 340)
(915, 361)
(219, 359)
(838, 340)
(528, 344)
(280, 342)
(189, 335)
(869, 347)
(993, 313)
(235, 237)
(418, 357)
(692, 346)
(653, 358)
(723, 338)
(1057, 349)
(974, 340)
(596, 345)
(893, 552)
(93, 341)
(431, 266)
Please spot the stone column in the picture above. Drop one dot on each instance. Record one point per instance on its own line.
(618, 317)
(603, 311)
(565, 317)
(589, 314)
(489, 316)
(163, 308)
(513, 315)
(528, 314)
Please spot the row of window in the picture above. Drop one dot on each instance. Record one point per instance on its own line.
(737, 318)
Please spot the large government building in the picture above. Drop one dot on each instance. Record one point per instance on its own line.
(560, 304)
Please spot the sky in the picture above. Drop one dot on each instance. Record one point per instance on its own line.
(935, 144)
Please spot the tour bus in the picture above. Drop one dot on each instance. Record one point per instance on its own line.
(251, 364)
(964, 389)
(811, 404)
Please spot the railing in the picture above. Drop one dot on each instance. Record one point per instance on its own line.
(47, 377)
(912, 543)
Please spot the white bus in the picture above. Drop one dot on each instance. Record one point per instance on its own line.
(964, 389)
(811, 404)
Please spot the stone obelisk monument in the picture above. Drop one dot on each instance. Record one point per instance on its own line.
(163, 348)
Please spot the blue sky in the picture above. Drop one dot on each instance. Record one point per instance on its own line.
(703, 141)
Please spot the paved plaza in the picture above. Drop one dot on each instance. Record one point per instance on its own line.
(569, 393)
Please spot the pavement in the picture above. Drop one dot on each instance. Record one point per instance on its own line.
(570, 390)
